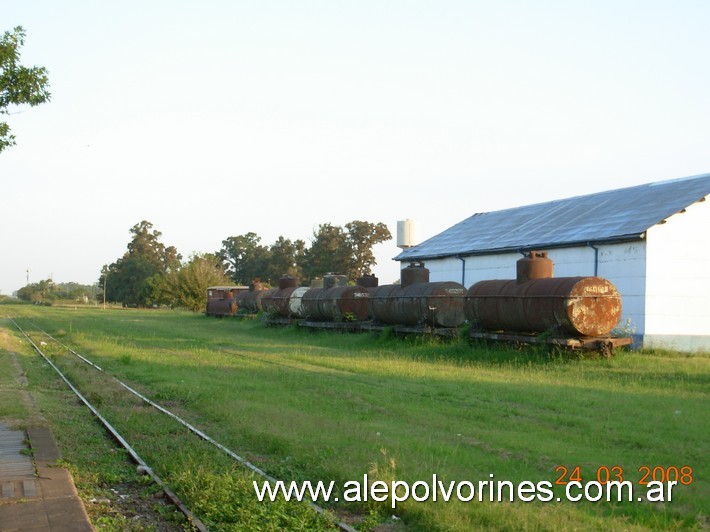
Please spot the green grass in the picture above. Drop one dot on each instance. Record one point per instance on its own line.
(13, 400)
(323, 406)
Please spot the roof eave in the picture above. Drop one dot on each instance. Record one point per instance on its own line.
(521, 249)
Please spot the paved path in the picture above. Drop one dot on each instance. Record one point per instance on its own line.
(47, 501)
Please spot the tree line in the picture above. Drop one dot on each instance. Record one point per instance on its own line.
(152, 274)
(47, 292)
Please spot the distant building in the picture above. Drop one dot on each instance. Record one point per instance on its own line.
(652, 241)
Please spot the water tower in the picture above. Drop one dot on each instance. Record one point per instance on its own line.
(407, 234)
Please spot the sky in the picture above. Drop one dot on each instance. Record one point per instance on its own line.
(215, 118)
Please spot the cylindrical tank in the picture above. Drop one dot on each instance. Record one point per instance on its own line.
(288, 281)
(368, 281)
(286, 302)
(340, 303)
(407, 234)
(274, 301)
(536, 265)
(416, 272)
(579, 306)
(251, 299)
(439, 304)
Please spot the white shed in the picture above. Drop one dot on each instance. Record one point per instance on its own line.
(652, 241)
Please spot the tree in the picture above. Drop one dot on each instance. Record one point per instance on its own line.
(18, 84)
(41, 292)
(285, 257)
(362, 236)
(132, 278)
(187, 287)
(329, 252)
(347, 251)
(244, 257)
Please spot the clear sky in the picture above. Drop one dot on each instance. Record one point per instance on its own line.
(215, 118)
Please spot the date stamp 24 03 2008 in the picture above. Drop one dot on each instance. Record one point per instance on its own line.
(681, 474)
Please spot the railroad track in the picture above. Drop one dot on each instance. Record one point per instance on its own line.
(145, 468)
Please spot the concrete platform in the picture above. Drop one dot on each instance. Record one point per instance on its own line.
(35, 495)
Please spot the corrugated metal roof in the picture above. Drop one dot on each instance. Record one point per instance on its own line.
(614, 215)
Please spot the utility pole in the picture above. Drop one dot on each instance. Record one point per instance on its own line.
(105, 272)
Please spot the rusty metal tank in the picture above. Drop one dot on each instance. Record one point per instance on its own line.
(340, 303)
(536, 265)
(577, 306)
(277, 301)
(288, 281)
(417, 301)
(368, 281)
(416, 272)
(250, 300)
(285, 302)
(439, 304)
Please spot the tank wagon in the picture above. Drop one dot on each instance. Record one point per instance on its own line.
(250, 299)
(537, 302)
(336, 303)
(222, 300)
(285, 301)
(416, 301)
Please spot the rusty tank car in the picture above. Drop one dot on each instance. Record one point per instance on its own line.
(337, 303)
(286, 300)
(537, 302)
(250, 300)
(222, 300)
(416, 301)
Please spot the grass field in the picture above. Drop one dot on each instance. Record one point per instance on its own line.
(328, 406)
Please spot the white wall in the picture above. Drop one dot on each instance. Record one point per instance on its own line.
(678, 281)
(624, 264)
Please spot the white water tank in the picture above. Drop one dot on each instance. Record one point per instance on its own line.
(407, 234)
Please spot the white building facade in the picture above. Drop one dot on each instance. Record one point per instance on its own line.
(662, 271)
